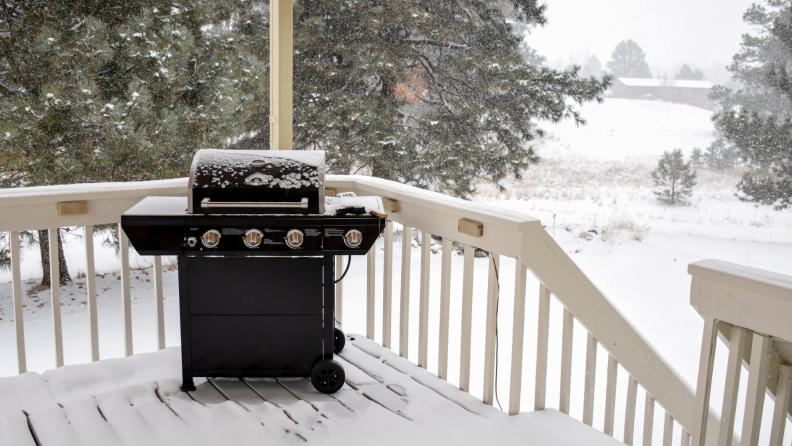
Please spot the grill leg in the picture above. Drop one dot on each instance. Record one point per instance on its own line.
(328, 329)
(184, 312)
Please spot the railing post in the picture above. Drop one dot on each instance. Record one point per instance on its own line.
(126, 299)
(387, 285)
(90, 283)
(629, 413)
(648, 420)
(423, 316)
(591, 370)
(518, 331)
(339, 291)
(732, 387)
(610, 395)
(55, 294)
(16, 279)
(542, 339)
(566, 361)
(404, 313)
(281, 72)
(704, 381)
(467, 319)
(445, 302)
(491, 323)
(783, 391)
(757, 385)
(371, 274)
(159, 304)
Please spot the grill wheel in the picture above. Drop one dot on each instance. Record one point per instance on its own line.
(327, 376)
(339, 341)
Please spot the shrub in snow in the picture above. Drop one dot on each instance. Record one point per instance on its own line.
(696, 158)
(673, 178)
(722, 156)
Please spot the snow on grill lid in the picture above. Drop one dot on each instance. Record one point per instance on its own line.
(259, 169)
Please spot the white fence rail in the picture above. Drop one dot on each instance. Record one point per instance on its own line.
(505, 234)
(751, 310)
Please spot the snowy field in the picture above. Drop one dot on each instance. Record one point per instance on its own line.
(592, 177)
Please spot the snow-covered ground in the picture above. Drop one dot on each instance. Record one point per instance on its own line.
(591, 177)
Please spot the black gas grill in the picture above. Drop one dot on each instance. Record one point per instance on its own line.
(256, 240)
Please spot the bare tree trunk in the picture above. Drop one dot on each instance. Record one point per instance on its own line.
(45, 259)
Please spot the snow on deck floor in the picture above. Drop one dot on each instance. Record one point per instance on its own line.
(136, 401)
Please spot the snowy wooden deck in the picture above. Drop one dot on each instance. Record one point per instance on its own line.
(387, 399)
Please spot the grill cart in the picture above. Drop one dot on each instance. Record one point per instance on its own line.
(256, 240)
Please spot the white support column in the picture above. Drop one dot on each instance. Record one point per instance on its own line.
(19, 326)
(423, 316)
(371, 294)
(467, 319)
(732, 387)
(55, 293)
(783, 392)
(491, 323)
(518, 332)
(757, 385)
(281, 50)
(591, 371)
(159, 303)
(126, 299)
(542, 338)
(704, 381)
(387, 286)
(90, 283)
(445, 303)
(629, 413)
(668, 430)
(404, 313)
(610, 395)
(648, 420)
(566, 361)
(339, 292)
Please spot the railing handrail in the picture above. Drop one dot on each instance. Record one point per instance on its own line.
(508, 233)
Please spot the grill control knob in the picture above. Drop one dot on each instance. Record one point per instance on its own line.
(253, 238)
(294, 238)
(211, 238)
(192, 241)
(353, 238)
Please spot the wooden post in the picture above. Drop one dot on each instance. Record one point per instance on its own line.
(445, 303)
(610, 395)
(591, 370)
(491, 323)
(371, 294)
(566, 361)
(126, 298)
(518, 332)
(668, 429)
(423, 316)
(704, 381)
(542, 338)
(629, 413)
(732, 387)
(467, 319)
(404, 313)
(159, 304)
(757, 385)
(55, 293)
(281, 49)
(387, 286)
(16, 279)
(648, 420)
(90, 279)
(783, 390)
(339, 292)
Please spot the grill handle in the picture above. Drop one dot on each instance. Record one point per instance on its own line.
(207, 203)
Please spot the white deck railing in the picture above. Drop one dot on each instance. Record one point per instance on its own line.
(505, 233)
(751, 310)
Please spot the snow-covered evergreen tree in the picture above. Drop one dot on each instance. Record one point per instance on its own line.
(629, 60)
(757, 118)
(673, 178)
(721, 155)
(592, 68)
(688, 74)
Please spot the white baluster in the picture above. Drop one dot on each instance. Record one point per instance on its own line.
(491, 323)
(404, 313)
(159, 303)
(126, 299)
(629, 413)
(55, 293)
(445, 303)
(732, 387)
(668, 429)
(467, 318)
(423, 316)
(757, 385)
(648, 420)
(518, 331)
(704, 381)
(781, 409)
(542, 338)
(566, 361)
(591, 371)
(610, 395)
(90, 279)
(387, 286)
(19, 326)
(339, 291)
(685, 440)
(371, 294)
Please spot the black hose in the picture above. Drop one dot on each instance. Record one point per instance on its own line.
(349, 262)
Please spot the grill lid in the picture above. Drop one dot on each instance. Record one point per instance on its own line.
(257, 182)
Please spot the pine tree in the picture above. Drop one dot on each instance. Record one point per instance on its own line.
(757, 118)
(433, 94)
(687, 74)
(696, 158)
(721, 155)
(629, 60)
(593, 68)
(673, 178)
